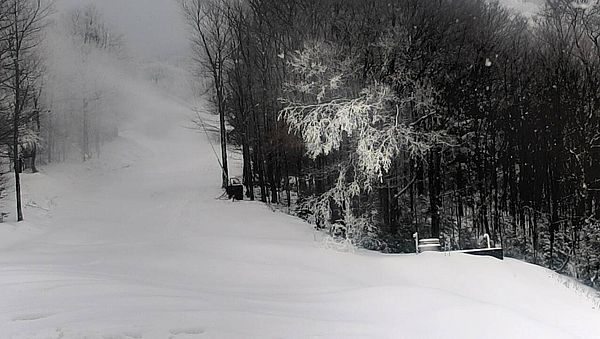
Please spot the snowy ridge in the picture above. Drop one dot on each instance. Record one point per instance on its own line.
(135, 245)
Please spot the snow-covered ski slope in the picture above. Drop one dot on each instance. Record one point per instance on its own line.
(135, 245)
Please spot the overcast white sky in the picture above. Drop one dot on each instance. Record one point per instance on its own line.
(152, 28)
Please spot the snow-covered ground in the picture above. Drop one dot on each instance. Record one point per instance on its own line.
(135, 245)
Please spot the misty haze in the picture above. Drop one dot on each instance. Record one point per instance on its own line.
(175, 169)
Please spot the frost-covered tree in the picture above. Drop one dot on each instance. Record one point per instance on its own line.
(370, 125)
(89, 30)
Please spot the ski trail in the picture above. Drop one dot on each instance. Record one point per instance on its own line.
(135, 245)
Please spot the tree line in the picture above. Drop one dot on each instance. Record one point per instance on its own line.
(454, 118)
(53, 103)
(21, 23)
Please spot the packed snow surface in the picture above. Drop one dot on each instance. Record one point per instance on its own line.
(135, 245)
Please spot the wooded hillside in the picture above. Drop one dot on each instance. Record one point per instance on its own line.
(454, 118)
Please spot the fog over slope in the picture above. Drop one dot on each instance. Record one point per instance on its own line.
(153, 29)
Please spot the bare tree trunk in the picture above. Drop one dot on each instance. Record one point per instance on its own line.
(434, 173)
(16, 157)
(248, 173)
(17, 111)
(85, 132)
(223, 130)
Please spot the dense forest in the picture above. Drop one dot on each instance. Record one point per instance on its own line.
(453, 118)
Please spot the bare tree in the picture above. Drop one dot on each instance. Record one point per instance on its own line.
(211, 38)
(23, 23)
